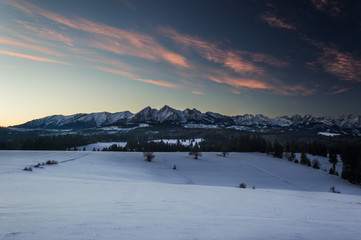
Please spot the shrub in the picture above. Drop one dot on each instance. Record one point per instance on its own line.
(225, 154)
(28, 169)
(51, 162)
(316, 164)
(148, 156)
(242, 185)
(296, 160)
(174, 167)
(333, 189)
(37, 165)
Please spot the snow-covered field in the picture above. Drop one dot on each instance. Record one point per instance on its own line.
(117, 195)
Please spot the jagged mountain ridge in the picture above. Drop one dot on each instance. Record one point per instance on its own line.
(170, 115)
(77, 121)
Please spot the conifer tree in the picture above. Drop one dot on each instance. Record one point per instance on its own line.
(304, 159)
(277, 149)
(195, 151)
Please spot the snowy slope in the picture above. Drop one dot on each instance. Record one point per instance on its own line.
(104, 195)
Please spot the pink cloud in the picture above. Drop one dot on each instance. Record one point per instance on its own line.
(330, 7)
(128, 4)
(274, 21)
(117, 72)
(265, 58)
(96, 58)
(240, 83)
(19, 5)
(13, 42)
(120, 48)
(30, 57)
(46, 33)
(242, 62)
(146, 51)
(175, 59)
(337, 90)
(212, 52)
(197, 92)
(235, 91)
(158, 83)
(236, 63)
(122, 42)
(340, 64)
(276, 87)
(295, 90)
(134, 77)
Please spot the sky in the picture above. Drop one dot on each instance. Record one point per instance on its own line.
(231, 57)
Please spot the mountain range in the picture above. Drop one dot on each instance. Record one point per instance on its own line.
(192, 118)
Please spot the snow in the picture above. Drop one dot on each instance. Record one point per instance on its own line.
(118, 195)
(204, 126)
(100, 145)
(115, 129)
(184, 142)
(240, 128)
(328, 134)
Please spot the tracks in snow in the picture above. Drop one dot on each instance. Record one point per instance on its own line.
(277, 177)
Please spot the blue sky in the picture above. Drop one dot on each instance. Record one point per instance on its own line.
(231, 57)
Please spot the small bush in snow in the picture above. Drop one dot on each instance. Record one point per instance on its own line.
(225, 153)
(296, 160)
(51, 162)
(316, 164)
(174, 167)
(242, 185)
(39, 165)
(253, 187)
(148, 156)
(28, 169)
(333, 189)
